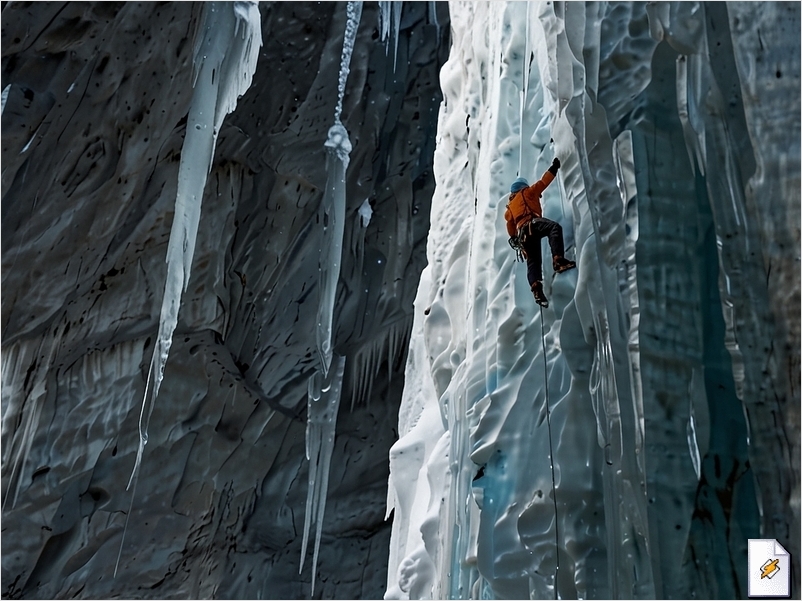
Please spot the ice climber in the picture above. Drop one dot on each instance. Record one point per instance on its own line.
(527, 226)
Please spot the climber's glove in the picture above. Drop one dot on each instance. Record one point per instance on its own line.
(515, 243)
(555, 165)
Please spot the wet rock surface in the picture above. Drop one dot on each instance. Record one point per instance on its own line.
(93, 123)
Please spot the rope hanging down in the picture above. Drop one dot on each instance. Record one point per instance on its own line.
(519, 255)
(551, 453)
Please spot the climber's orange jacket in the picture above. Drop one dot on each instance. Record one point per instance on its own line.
(525, 204)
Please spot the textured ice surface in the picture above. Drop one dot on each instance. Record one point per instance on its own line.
(664, 119)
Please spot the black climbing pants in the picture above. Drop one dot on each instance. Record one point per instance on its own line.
(531, 234)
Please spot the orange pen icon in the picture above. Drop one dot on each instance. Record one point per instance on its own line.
(769, 569)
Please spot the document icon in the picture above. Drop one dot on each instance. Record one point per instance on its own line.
(769, 569)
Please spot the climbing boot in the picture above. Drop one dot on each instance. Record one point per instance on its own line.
(561, 264)
(540, 298)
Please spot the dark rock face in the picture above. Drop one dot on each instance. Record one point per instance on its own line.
(93, 123)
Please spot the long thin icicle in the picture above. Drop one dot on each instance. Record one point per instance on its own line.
(224, 62)
(326, 384)
(524, 93)
(384, 16)
(3, 98)
(321, 423)
(524, 90)
(397, 7)
(432, 16)
(390, 17)
(338, 147)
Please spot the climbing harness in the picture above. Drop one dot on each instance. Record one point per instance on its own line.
(551, 453)
(517, 246)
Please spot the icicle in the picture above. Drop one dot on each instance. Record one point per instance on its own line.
(695, 148)
(224, 62)
(338, 148)
(326, 384)
(524, 93)
(31, 408)
(391, 353)
(432, 16)
(3, 98)
(33, 137)
(331, 245)
(527, 54)
(397, 7)
(365, 213)
(322, 403)
(353, 376)
(384, 14)
(390, 17)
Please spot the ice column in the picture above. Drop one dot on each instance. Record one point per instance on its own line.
(321, 422)
(325, 385)
(224, 61)
(487, 525)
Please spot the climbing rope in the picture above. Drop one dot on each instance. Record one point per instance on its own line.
(551, 452)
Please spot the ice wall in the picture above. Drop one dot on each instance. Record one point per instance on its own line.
(662, 350)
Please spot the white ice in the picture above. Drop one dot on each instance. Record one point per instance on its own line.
(471, 484)
(493, 533)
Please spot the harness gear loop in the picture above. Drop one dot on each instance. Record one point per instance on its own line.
(517, 246)
(551, 452)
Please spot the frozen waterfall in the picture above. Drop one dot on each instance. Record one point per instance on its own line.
(657, 428)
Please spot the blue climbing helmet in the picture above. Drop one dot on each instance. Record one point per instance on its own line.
(518, 184)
